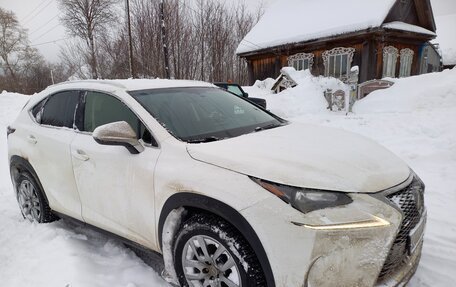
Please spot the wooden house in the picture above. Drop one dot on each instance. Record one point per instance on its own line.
(384, 38)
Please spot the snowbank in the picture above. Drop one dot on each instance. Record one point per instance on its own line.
(10, 105)
(306, 98)
(418, 93)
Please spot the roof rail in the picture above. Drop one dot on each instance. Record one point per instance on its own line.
(113, 83)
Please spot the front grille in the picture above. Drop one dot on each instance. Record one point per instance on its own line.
(410, 201)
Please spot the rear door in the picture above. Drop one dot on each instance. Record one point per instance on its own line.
(49, 150)
(116, 187)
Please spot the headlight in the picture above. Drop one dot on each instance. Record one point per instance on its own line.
(303, 199)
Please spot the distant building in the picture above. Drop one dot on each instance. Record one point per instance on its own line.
(385, 38)
(446, 39)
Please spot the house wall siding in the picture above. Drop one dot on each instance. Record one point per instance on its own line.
(368, 55)
(269, 66)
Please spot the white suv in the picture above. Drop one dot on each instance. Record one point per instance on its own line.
(229, 193)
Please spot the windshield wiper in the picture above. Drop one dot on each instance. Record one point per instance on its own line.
(204, 140)
(267, 127)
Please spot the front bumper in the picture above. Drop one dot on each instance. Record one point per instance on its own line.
(302, 256)
(404, 274)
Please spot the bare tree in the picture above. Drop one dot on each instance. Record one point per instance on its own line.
(13, 39)
(201, 38)
(84, 18)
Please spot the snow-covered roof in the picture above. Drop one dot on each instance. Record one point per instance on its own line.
(132, 84)
(446, 38)
(292, 21)
(396, 25)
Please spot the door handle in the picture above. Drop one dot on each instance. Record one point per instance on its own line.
(32, 139)
(81, 155)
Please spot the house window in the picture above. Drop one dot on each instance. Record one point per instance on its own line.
(390, 55)
(301, 61)
(406, 62)
(338, 62)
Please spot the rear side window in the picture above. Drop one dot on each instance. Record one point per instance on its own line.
(58, 110)
(101, 109)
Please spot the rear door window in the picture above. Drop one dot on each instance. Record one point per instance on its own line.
(58, 110)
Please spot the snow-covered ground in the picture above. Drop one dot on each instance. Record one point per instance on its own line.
(416, 119)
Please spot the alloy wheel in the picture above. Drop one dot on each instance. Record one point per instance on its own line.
(29, 202)
(207, 263)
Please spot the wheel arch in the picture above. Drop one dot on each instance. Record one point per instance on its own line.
(197, 203)
(19, 164)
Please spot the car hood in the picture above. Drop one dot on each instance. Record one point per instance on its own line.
(308, 156)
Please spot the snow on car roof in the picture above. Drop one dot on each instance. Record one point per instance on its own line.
(131, 84)
(292, 21)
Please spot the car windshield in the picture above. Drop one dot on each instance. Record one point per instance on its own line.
(204, 114)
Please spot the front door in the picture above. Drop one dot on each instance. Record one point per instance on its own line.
(115, 186)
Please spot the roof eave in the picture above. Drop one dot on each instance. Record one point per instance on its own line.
(274, 49)
(370, 31)
(423, 36)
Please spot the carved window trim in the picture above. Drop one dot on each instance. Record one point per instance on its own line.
(339, 51)
(406, 62)
(390, 55)
(306, 58)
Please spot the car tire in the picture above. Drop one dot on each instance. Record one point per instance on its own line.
(226, 260)
(31, 200)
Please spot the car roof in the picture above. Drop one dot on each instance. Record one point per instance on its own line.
(129, 84)
(226, 83)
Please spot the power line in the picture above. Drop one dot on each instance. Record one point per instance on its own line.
(40, 36)
(33, 10)
(42, 26)
(37, 13)
(49, 42)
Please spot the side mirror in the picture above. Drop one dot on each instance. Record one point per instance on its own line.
(118, 133)
(246, 95)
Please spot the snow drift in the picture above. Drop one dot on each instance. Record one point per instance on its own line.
(307, 97)
(418, 93)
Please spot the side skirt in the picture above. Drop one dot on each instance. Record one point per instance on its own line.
(150, 257)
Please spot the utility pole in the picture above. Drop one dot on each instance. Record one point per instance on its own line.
(130, 44)
(52, 77)
(163, 36)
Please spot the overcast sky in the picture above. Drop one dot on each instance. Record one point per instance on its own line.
(40, 17)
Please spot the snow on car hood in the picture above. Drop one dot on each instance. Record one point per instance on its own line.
(307, 156)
